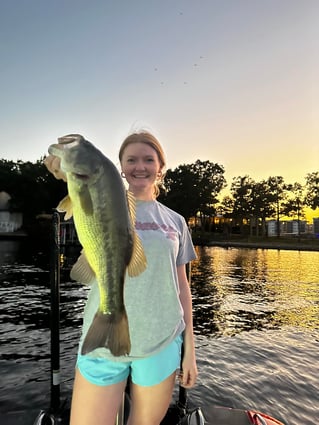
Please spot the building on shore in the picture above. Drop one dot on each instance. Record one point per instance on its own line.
(293, 227)
(9, 221)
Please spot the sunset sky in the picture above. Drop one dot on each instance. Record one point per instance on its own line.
(234, 82)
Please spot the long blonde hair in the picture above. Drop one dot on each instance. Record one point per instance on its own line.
(150, 140)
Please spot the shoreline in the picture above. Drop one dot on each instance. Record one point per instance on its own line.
(292, 245)
(277, 245)
(13, 235)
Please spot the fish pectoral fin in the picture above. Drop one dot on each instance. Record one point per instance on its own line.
(82, 271)
(65, 205)
(138, 261)
(86, 200)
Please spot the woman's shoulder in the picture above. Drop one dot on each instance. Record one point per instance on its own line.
(173, 214)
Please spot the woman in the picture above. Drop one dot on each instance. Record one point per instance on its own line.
(158, 304)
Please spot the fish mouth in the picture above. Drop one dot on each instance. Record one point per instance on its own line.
(62, 148)
(70, 140)
(66, 142)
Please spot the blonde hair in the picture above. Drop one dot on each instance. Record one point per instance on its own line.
(150, 140)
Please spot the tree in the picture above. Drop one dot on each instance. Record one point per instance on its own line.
(277, 190)
(241, 190)
(294, 206)
(9, 173)
(192, 189)
(312, 190)
(254, 202)
(225, 209)
(261, 205)
(32, 188)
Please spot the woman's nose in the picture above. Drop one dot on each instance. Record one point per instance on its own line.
(140, 165)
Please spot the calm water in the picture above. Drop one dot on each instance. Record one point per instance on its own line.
(256, 318)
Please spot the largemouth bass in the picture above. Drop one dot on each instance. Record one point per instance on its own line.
(104, 216)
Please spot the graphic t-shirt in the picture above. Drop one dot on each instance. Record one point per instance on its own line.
(154, 311)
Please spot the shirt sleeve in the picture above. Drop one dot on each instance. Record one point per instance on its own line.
(186, 251)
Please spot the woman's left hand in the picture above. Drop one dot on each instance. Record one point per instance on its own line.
(189, 371)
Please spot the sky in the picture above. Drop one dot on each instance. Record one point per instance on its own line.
(234, 82)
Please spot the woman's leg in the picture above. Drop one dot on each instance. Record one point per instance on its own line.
(149, 404)
(94, 404)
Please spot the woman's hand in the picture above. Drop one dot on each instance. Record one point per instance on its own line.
(53, 165)
(189, 371)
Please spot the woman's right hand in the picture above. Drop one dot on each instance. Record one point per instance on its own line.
(53, 165)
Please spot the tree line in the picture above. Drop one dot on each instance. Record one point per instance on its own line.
(32, 188)
(193, 190)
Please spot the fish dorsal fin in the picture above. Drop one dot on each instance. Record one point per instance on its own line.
(138, 261)
(82, 271)
(65, 205)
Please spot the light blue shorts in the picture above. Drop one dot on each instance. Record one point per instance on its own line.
(146, 372)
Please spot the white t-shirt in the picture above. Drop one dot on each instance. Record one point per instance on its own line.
(154, 311)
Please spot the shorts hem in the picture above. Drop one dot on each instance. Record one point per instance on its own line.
(97, 382)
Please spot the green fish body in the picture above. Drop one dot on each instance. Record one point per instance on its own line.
(104, 214)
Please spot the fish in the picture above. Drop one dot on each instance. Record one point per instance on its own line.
(104, 216)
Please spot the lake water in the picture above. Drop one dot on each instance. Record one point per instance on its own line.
(256, 317)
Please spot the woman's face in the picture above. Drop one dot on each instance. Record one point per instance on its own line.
(141, 165)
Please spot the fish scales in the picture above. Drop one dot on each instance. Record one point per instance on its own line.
(108, 247)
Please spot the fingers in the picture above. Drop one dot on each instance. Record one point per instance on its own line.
(188, 378)
(53, 165)
(189, 372)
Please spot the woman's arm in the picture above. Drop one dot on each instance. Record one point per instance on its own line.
(189, 367)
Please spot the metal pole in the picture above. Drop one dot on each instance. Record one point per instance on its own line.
(56, 414)
(55, 312)
(120, 416)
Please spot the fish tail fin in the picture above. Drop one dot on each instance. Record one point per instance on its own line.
(110, 331)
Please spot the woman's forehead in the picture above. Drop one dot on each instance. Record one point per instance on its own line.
(139, 148)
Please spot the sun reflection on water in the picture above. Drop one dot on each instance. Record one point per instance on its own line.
(244, 289)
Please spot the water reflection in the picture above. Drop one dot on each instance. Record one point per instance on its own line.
(237, 290)
(23, 251)
(8, 251)
(255, 314)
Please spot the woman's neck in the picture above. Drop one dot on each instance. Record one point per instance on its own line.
(143, 195)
